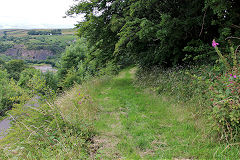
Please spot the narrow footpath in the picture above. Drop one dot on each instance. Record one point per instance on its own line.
(133, 123)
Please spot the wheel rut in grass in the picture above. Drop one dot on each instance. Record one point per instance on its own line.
(123, 121)
(133, 123)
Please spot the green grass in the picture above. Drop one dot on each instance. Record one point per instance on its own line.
(59, 130)
(111, 118)
(134, 123)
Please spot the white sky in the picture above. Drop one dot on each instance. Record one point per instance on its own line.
(29, 14)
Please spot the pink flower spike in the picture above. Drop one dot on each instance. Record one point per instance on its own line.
(234, 76)
(231, 75)
(214, 44)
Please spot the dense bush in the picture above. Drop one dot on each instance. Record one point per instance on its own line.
(225, 91)
(72, 57)
(154, 32)
(77, 64)
(8, 90)
(51, 80)
(14, 68)
(61, 128)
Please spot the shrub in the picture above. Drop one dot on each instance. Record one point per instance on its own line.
(8, 90)
(70, 78)
(60, 128)
(51, 80)
(14, 68)
(225, 91)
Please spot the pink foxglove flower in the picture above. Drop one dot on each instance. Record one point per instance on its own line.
(214, 44)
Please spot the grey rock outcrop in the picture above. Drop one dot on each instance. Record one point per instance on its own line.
(20, 52)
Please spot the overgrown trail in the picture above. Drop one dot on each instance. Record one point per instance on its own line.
(133, 123)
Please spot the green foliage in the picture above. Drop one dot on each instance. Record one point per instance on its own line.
(225, 90)
(200, 52)
(14, 68)
(61, 129)
(77, 65)
(8, 90)
(70, 78)
(35, 82)
(5, 58)
(226, 106)
(155, 32)
(2, 63)
(26, 76)
(4, 46)
(51, 80)
(214, 86)
(71, 58)
(183, 84)
(56, 46)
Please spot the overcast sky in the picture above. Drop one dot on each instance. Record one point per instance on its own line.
(29, 14)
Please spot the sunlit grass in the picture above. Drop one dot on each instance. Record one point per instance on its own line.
(117, 118)
(136, 123)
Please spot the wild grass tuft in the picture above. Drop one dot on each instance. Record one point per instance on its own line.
(61, 129)
(182, 84)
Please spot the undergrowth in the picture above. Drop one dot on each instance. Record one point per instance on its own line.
(182, 84)
(51, 129)
(190, 89)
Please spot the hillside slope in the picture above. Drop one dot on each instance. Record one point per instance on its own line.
(112, 118)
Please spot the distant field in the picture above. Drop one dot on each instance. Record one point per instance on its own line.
(23, 32)
(16, 38)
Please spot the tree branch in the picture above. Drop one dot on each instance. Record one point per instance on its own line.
(203, 22)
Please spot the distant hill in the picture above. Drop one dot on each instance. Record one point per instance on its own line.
(20, 44)
(24, 32)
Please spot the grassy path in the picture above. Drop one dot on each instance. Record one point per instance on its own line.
(135, 124)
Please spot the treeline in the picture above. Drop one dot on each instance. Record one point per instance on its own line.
(156, 32)
(52, 32)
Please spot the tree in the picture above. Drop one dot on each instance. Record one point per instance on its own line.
(7, 92)
(14, 68)
(2, 63)
(71, 58)
(154, 32)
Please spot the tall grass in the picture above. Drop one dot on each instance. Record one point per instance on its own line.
(61, 129)
(181, 84)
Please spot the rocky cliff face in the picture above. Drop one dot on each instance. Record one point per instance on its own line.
(20, 52)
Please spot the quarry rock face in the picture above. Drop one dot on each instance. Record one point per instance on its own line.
(20, 52)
